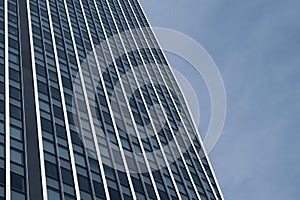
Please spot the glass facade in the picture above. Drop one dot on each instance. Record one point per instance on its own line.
(90, 108)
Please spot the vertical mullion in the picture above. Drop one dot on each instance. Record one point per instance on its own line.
(147, 110)
(75, 106)
(175, 140)
(179, 149)
(37, 109)
(176, 143)
(175, 106)
(89, 112)
(128, 106)
(191, 121)
(106, 96)
(75, 179)
(188, 112)
(7, 119)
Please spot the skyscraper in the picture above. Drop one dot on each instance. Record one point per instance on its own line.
(90, 109)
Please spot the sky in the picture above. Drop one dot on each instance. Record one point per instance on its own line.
(256, 46)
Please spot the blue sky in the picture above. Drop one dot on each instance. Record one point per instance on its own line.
(256, 45)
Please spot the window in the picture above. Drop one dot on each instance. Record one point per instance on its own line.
(17, 195)
(15, 112)
(55, 93)
(114, 194)
(46, 125)
(99, 190)
(162, 194)
(2, 176)
(16, 156)
(53, 194)
(58, 112)
(51, 169)
(79, 159)
(13, 43)
(84, 183)
(137, 185)
(14, 93)
(17, 182)
(42, 87)
(2, 106)
(60, 131)
(15, 132)
(109, 172)
(66, 176)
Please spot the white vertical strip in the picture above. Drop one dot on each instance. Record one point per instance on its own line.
(188, 109)
(196, 134)
(88, 107)
(148, 113)
(7, 120)
(77, 192)
(126, 100)
(185, 165)
(198, 157)
(147, 110)
(37, 107)
(108, 102)
(189, 113)
(176, 143)
(158, 98)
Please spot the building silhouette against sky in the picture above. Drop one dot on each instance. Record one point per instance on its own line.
(89, 107)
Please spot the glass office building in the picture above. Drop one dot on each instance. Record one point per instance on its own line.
(90, 109)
